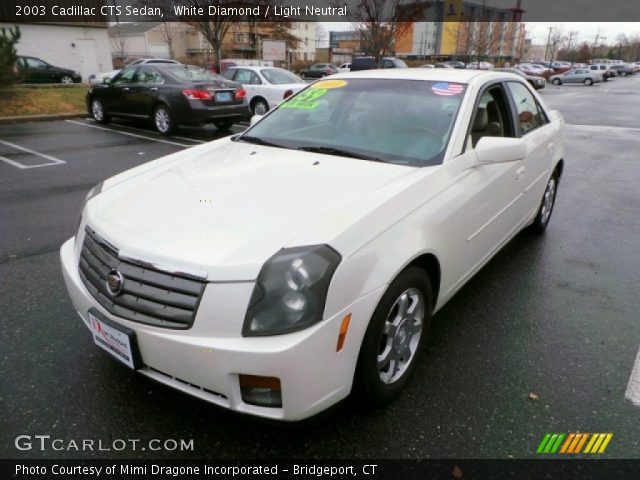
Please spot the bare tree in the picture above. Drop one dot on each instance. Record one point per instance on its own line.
(168, 30)
(381, 21)
(215, 27)
(554, 41)
(119, 42)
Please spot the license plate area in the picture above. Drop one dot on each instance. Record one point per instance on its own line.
(118, 341)
(223, 97)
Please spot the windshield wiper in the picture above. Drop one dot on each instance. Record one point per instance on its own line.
(258, 141)
(340, 151)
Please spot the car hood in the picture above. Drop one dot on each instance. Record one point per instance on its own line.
(224, 208)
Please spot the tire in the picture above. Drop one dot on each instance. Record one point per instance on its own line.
(259, 106)
(223, 124)
(66, 80)
(588, 82)
(557, 81)
(97, 111)
(547, 203)
(393, 339)
(163, 120)
(322, 75)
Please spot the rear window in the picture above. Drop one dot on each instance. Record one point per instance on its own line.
(278, 76)
(194, 74)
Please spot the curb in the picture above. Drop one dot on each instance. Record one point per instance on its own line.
(41, 118)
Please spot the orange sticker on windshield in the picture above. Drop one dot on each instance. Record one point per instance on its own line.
(329, 84)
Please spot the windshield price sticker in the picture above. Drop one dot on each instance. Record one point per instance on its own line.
(328, 84)
(306, 100)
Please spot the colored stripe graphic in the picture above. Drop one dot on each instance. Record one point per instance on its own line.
(574, 443)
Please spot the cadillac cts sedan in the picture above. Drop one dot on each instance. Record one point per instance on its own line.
(275, 271)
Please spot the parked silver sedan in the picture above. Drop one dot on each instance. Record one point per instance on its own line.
(579, 75)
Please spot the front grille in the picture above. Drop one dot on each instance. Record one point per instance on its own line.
(148, 295)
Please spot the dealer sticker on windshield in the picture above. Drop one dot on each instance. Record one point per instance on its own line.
(328, 84)
(447, 89)
(306, 100)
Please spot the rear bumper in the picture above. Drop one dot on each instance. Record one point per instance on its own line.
(206, 360)
(199, 113)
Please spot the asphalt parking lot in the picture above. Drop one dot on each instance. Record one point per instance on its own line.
(543, 339)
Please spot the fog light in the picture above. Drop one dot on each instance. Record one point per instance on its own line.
(261, 391)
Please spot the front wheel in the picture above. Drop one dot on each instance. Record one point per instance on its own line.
(556, 81)
(163, 120)
(66, 80)
(223, 124)
(394, 336)
(543, 216)
(588, 82)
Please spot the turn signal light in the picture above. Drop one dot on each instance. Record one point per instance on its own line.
(192, 94)
(344, 326)
(261, 391)
(287, 94)
(240, 93)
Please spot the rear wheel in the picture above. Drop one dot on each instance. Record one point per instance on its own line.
(223, 124)
(541, 221)
(556, 81)
(394, 336)
(259, 106)
(588, 81)
(97, 111)
(163, 120)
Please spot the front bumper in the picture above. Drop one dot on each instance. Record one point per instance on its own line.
(206, 360)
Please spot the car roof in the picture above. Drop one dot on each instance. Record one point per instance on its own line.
(255, 68)
(439, 75)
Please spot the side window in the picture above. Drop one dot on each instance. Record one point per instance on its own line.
(255, 79)
(528, 116)
(124, 76)
(229, 73)
(243, 76)
(148, 75)
(35, 63)
(387, 64)
(492, 116)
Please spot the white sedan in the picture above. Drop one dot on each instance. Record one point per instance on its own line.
(266, 87)
(275, 271)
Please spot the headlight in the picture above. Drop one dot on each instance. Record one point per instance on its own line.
(291, 290)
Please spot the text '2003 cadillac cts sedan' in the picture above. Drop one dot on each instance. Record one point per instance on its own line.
(274, 271)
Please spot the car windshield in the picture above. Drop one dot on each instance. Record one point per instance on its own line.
(194, 74)
(406, 122)
(278, 76)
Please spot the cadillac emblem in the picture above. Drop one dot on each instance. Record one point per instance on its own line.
(115, 281)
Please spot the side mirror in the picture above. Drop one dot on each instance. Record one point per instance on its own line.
(500, 150)
(255, 119)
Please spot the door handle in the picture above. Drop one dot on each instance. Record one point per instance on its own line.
(520, 173)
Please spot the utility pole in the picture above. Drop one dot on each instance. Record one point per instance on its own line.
(546, 50)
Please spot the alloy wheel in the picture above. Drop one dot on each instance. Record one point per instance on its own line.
(401, 335)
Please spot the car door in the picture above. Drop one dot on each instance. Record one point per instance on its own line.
(39, 71)
(534, 127)
(487, 199)
(144, 91)
(249, 80)
(118, 92)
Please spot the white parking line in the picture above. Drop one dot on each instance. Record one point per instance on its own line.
(633, 388)
(172, 136)
(52, 160)
(159, 140)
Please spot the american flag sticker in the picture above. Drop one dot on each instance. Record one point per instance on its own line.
(447, 89)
